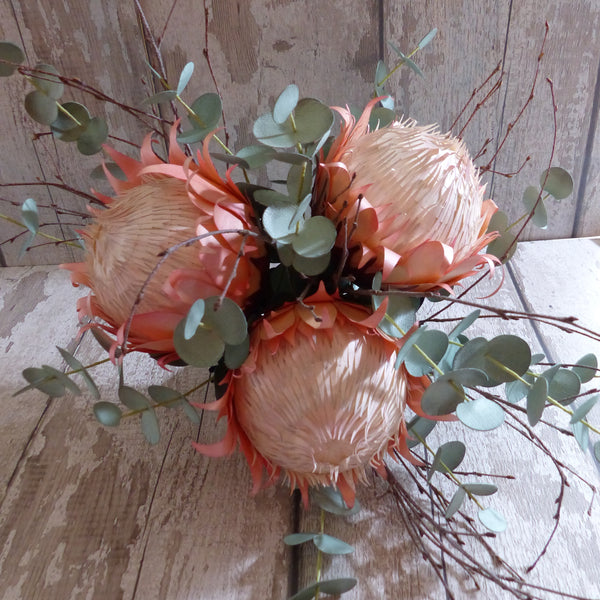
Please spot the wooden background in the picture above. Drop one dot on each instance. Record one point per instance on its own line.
(330, 50)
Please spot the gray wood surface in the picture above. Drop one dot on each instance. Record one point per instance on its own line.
(88, 512)
(330, 50)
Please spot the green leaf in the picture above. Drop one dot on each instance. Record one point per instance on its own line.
(316, 237)
(150, 427)
(597, 451)
(467, 377)
(173, 399)
(48, 81)
(107, 413)
(586, 368)
(94, 135)
(227, 319)
(295, 539)
(421, 427)
(480, 489)
(564, 386)
(427, 39)
(65, 128)
(10, 53)
(332, 545)
(204, 349)
(26, 245)
(311, 266)
(381, 72)
(207, 111)
(184, 78)
(41, 108)
(583, 409)
(236, 354)
(30, 215)
(559, 183)
(40, 379)
(464, 325)
(256, 156)
(536, 400)
(328, 586)
(509, 351)
(582, 434)
(193, 319)
(331, 500)
(299, 181)
(500, 246)
(448, 456)
(400, 315)
(292, 158)
(442, 398)
(133, 399)
(431, 346)
(77, 366)
(456, 502)
(381, 117)
(164, 96)
(412, 339)
(530, 197)
(62, 378)
(492, 520)
(278, 220)
(480, 414)
(517, 390)
(286, 103)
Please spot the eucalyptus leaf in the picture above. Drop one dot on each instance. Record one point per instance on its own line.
(94, 135)
(295, 539)
(256, 156)
(597, 451)
(381, 72)
(184, 78)
(421, 427)
(480, 489)
(331, 501)
(227, 319)
(161, 97)
(62, 378)
(311, 266)
(480, 414)
(41, 108)
(586, 367)
(274, 198)
(412, 339)
(278, 220)
(332, 545)
(13, 57)
(464, 325)
(503, 353)
(442, 398)
(77, 366)
(559, 183)
(193, 319)
(456, 502)
(150, 427)
(327, 586)
(500, 246)
(564, 386)
(40, 379)
(492, 520)
(46, 79)
(286, 103)
(400, 315)
(584, 408)
(381, 117)
(299, 181)
(107, 413)
(448, 457)
(30, 215)
(133, 399)
(236, 354)
(71, 122)
(315, 238)
(204, 349)
(536, 400)
(540, 216)
(431, 347)
(427, 38)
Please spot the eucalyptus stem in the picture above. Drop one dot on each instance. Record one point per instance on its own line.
(90, 366)
(45, 235)
(63, 110)
(320, 555)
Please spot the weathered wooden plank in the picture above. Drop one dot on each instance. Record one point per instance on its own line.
(386, 562)
(79, 44)
(97, 513)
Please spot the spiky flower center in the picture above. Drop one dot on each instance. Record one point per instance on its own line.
(124, 241)
(423, 182)
(318, 410)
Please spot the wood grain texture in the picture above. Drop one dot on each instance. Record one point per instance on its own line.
(89, 512)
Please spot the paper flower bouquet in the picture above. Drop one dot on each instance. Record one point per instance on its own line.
(305, 295)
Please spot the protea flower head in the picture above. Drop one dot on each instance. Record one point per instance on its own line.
(318, 400)
(416, 199)
(160, 205)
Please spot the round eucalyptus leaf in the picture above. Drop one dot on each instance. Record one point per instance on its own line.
(107, 413)
(400, 315)
(91, 139)
(492, 520)
(506, 352)
(470, 356)
(41, 108)
(480, 489)
(498, 222)
(192, 136)
(464, 325)
(584, 408)
(586, 367)
(313, 120)
(150, 427)
(295, 539)
(207, 112)
(226, 319)
(331, 500)
(44, 381)
(559, 183)
(133, 399)
(564, 386)
(467, 377)
(517, 390)
(273, 134)
(65, 128)
(581, 434)
(442, 398)
(204, 349)
(256, 156)
(13, 55)
(381, 117)
(530, 198)
(335, 587)
(536, 400)
(272, 198)
(299, 181)
(316, 237)
(431, 346)
(286, 103)
(412, 339)
(500, 246)
(292, 158)
(193, 318)
(480, 414)
(278, 220)
(447, 457)
(165, 396)
(421, 427)
(77, 366)
(46, 79)
(456, 502)
(332, 545)
(286, 254)
(30, 215)
(311, 266)
(236, 355)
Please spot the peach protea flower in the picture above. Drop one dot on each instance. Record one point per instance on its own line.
(159, 205)
(318, 401)
(419, 206)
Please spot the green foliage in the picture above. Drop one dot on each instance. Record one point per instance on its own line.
(81, 370)
(107, 413)
(334, 587)
(41, 108)
(480, 414)
(418, 429)
(447, 458)
(11, 56)
(586, 367)
(532, 198)
(71, 122)
(331, 501)
(204, 118)
(46, 79)
(558, 182)
(184, 78)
